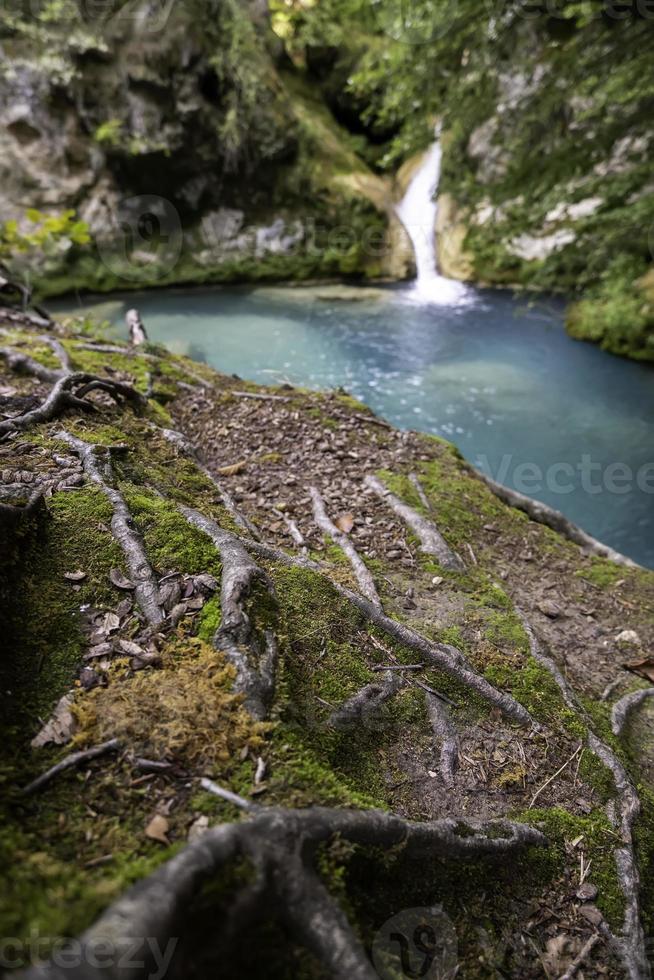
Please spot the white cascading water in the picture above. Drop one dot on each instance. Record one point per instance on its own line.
(417, 212)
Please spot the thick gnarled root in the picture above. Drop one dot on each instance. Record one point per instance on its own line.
(281, 846)
(69, 393)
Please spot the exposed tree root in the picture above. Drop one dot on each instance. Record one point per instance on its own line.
(417, 486)
(292, 528)
(366, 704)
(543, 514)
(13, 514)
(281, 846)
(361, 572)
(441, 655)
(24, 364)
(445, 733)
(69, 762)
(58, 348)
(67, 393)
(431, 540)
(146, 589)
(631, 945)
(252, 652)
(184, 446)
(621, 708)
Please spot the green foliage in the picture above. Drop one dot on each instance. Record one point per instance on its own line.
(108, 132)
(24, 244)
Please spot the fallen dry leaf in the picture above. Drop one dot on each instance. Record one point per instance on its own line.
(233, 469)
(131, 649)
(345, 522)
(77, 576)
(157, 829)
(110, 623)
(644, 668)
(119, 580)
(60, 727)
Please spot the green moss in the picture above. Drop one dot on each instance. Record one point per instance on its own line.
(507, 629)
(598, 843)
(210, 619)
(170, 541)
(602, 573)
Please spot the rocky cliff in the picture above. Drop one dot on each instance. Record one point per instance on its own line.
(183, 136)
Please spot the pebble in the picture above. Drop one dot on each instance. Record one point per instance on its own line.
(587, 892)
(629, 637)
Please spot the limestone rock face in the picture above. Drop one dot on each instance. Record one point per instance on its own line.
(171, 132)
(451, 231)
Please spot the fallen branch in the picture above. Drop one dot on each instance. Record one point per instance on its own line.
(252, 652)
(417, 486)
(361, 572)
(146, 589)
(581, 957)
(431, 540)
(74, 759)
(543, 514)
(226, 794)
(625, 705)
(281, 846)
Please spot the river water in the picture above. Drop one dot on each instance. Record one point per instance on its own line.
(494, 373)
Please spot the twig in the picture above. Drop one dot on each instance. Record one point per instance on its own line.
(74, 759)
(260, 396)
(226, 794)
(581, 957)
(553, 777)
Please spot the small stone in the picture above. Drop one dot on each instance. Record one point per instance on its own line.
(584, 806)
(587, 892)
(199, 827)
(550, 609)
(629, 638)
(592, 914)
(89, 679)
(437, 579)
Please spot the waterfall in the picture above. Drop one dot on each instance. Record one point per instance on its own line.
(417, 211)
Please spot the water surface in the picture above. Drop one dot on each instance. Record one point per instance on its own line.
(495, 375)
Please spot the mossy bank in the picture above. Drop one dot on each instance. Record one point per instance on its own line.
(73, 629)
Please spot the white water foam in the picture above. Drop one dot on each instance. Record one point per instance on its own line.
(417, 211)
